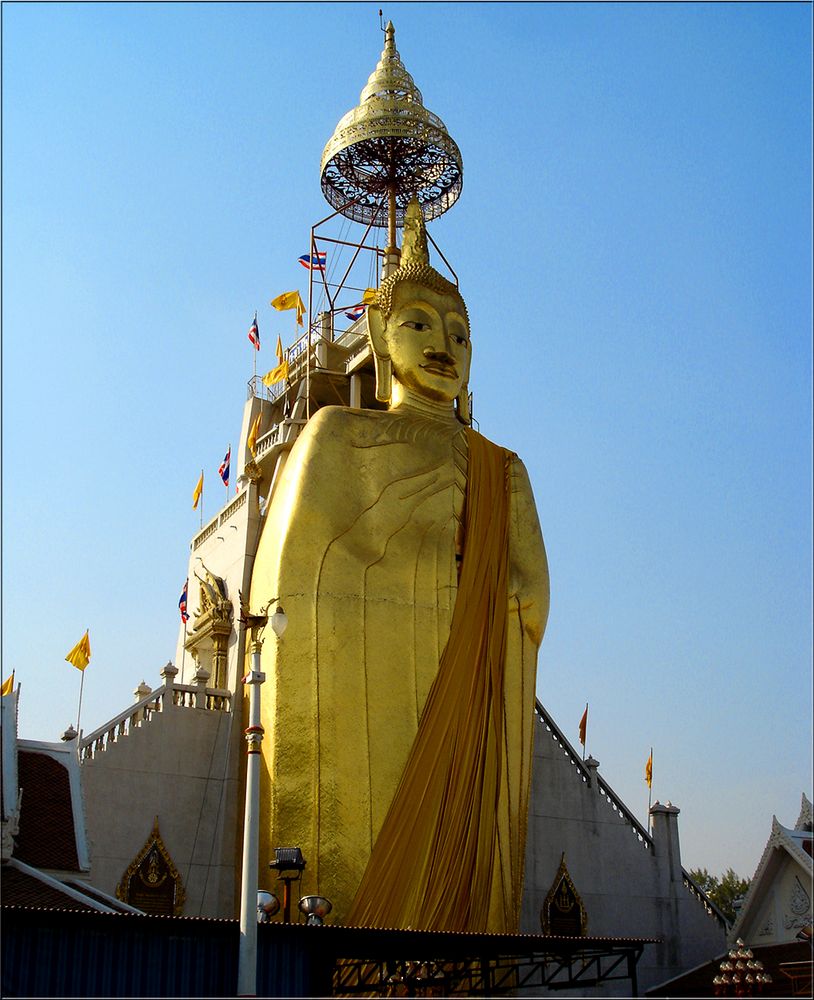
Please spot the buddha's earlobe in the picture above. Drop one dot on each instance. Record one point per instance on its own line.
(381, 354)
(462, 411)
(384, 378)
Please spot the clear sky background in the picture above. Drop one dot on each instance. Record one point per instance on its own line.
(634, 245)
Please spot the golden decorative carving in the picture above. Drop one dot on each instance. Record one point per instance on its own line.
(253, 472)
(213, 602)
(152, 882)
(213, 625)
(563, 913)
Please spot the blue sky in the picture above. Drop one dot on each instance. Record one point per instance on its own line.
(633, 241)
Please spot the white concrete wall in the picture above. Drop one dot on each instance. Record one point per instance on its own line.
(182, 767)
(627, 883)
(226, 546)
(227, 550)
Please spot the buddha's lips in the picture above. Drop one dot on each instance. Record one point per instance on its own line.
(446, 370)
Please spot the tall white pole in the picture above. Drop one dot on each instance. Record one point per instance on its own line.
(247, 956)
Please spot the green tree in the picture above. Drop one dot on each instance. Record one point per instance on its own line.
(723, 890)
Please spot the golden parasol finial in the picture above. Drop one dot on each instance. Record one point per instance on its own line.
(390, 149)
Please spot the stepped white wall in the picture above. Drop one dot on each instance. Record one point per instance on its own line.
(631, 885)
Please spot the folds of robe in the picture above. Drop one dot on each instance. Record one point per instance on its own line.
(360, 547)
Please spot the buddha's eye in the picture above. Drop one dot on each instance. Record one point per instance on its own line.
(415, 325)
(459, 339)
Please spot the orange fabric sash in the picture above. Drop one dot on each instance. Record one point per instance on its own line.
(433, 862)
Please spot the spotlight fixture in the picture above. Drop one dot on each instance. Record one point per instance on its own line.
(287, 859)
(315, 908)
(289, 862)
(267, 905)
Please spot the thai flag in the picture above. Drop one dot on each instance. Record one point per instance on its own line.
(254, 333)
(182, 603)
(356, 312)
(223, 471)
(313, 261)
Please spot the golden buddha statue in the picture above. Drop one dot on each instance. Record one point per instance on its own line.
(398, 710)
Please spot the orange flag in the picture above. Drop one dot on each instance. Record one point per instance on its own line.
(648, 770)
(583, 725)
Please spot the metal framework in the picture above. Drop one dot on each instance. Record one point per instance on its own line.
(549, 963)
(422, 165)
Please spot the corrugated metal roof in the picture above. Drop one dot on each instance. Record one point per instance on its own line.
(21, 889)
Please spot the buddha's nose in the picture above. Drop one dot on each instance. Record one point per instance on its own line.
(438, 355)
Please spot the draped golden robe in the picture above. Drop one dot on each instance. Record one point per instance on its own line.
(362, 546)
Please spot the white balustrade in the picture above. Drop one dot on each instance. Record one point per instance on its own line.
(138, 715)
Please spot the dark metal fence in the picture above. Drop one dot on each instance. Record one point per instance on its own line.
(67, 953)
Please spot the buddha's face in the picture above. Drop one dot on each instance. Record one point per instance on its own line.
(427, 337)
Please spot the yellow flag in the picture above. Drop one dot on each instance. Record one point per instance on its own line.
(8, 685)
(281, 371)
(276, 374)
(251, 441)
(648, 770)
(79, 656)
(369, 296)
(196, 493)
(290, 300)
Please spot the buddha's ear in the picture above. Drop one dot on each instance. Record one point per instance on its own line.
(381, 353)
(467, 364)
(375, 331)
(462, 400)
(462, 410)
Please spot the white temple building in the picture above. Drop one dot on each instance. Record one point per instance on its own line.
(777, 905)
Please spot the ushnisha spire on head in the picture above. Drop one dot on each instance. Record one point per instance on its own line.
(415, 264)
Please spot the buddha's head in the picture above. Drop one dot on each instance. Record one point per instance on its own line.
(419, 328)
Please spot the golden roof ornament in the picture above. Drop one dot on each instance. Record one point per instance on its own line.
(389, 150)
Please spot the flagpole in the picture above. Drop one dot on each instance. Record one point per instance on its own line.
(650, 789)
(202, 497)
(184, 650)
(229, 476)
(81, 688)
